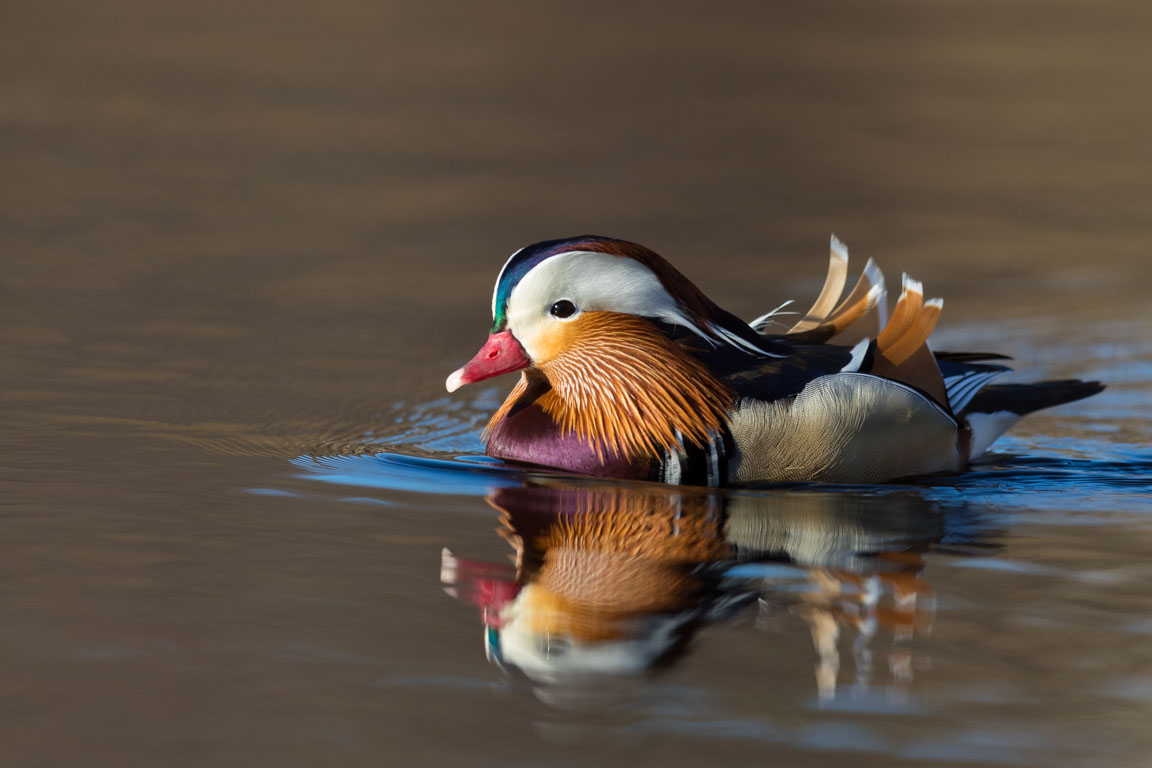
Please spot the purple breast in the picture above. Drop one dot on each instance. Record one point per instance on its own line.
(529, 435)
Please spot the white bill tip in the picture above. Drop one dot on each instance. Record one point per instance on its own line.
(455, 380)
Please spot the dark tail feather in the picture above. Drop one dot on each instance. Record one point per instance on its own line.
(1026, 398)
(968, 357)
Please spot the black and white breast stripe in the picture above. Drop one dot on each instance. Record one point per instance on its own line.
(693, 465)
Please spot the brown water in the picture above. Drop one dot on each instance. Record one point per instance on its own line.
(241, 245)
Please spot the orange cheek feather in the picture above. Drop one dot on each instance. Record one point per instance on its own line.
(622, 386)
(559, 338)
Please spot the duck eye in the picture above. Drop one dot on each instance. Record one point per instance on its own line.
(563, 309)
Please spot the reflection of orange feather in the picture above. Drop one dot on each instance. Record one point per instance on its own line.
(619, 553)
(622, 386)
(640, 522)
(547, 613)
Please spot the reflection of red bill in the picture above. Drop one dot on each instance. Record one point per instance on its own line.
(489, 586)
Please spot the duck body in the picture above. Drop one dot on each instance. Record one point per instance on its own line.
(628, 370)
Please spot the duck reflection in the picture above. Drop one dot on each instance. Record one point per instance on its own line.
(609, 581)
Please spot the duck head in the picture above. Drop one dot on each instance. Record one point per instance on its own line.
(603, 331)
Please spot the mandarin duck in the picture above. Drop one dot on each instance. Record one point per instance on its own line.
(628, 370)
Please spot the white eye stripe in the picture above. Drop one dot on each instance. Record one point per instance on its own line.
(601, 282)
(593, 282)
